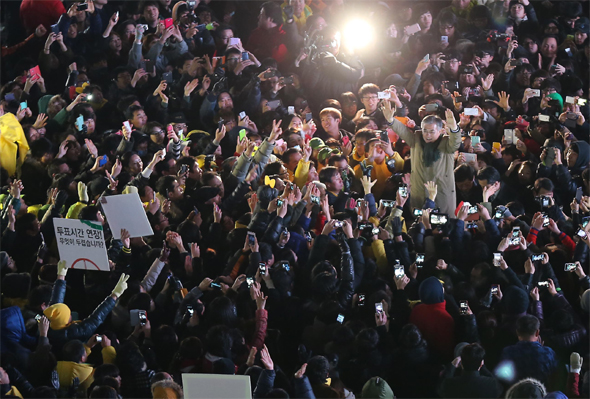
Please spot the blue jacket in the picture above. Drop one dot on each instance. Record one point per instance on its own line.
(15, 339)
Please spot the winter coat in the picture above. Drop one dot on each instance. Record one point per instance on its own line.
(15, 339)
(441, 171)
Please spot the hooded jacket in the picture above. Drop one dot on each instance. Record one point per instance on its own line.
(15, 339)
(67, 371)
(377, 388)
(434, 322)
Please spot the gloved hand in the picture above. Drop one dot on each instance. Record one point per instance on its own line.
(288, 10)
(121, 285)
(82, 192)
(366, 169)
(62, 268)
(576, 362)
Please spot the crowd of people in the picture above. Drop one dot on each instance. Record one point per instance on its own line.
(348, 199)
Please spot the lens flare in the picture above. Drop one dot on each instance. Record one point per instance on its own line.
(357, 34)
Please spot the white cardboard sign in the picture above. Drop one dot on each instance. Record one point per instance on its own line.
(125, 211)
(81, 244)
(216, 386)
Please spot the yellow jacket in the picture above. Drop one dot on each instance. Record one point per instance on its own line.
(380, 173)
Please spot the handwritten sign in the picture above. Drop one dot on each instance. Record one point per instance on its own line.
(81, 244)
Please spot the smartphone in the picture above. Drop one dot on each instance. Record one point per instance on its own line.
(288, 81)
(315, 199)
(338, 223)
(581, 233)
(168, 22)
(102, 161)
(398, 271)
(345, 141)
(537, 257)
(270, 74)
(514, 62)
(234, 41)
(215, 285)
(308, 236)
(38, 317)
(472, 209)
(463, 306)
(308, 117)
(80, 122)
(497, 259)
(544, 118)
(585, 221)
(494, 289)
(545, 220)
(419, 261)
(387, 203)
(274, 104)
(167, 76)
(142, 317)
(291, 110)
(570, 267)
(475, 140)
(82, 7)
(340, 318)
(361, 301)
(509, 136)
(461, 99)
(285, 265)
(418, 212)
(516, 232)
(543, 200)
(55, 28)
(245, 56)
(444, 39)
(582, 101)
(438, 218)
(249, 281)
(23, 105)
(471, 111)
(543, 283)
(99, 338)
(570, 100)
(568, 51)
(403, 190)
(384, 136)
(412, 29)
(378, 307)
(383, 95)
(280, 203)
(262, 268)
(431, 107)
(190, 310)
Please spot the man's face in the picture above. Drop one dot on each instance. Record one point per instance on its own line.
(329, 123)
(171, 168)
(264, 22)
(483, 60)
(73, 31)
(571, 157)
(217, 182)
(177, 192)
(451, 67)
(205, 17)
(123, 80)
(139, 119)
(342, 165)
(151, 14)
(571, 22)
(517, 11)
(298, 6)
(225, 102)
(446, 30)
(336, 184)
(549, 47)
(370, 101)
(425, 20)
(195, 172)
(431, 132)
(465, 186)
(428, 88)
(295, 139)
(467, 80)
(293, 161)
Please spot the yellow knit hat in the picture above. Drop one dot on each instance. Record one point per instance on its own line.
(164, 393)
(59, 316)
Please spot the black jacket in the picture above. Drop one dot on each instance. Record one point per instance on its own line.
(469, 385)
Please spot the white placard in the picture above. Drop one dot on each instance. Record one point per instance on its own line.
(81, 244)
(216, 386)
(125, 211)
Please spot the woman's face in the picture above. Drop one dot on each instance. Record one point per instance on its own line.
(551, 29)
(296, 123)
(129, 31)
(54, 106)
(525, 175)
(580, 37)
(425, 20)
(517, 11)
(135, 165)
(349, 110)
(115, 43)
(73, 31)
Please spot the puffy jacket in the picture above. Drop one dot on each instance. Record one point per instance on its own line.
(82, 330)
(15, 339)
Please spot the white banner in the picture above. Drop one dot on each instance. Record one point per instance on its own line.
(81, 244)
(216, 386)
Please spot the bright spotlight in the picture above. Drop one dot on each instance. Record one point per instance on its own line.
(357, 34)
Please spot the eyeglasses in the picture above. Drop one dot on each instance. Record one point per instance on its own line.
(158, 132)
(371, 98)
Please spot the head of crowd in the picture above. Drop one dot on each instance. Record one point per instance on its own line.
(369, 199)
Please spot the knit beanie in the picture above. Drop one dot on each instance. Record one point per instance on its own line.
(585, 301)
(527, 388)
(515, 300)
(377, 387)
(559, 98)
(59, 316)
(431, 291)
(204, 194)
